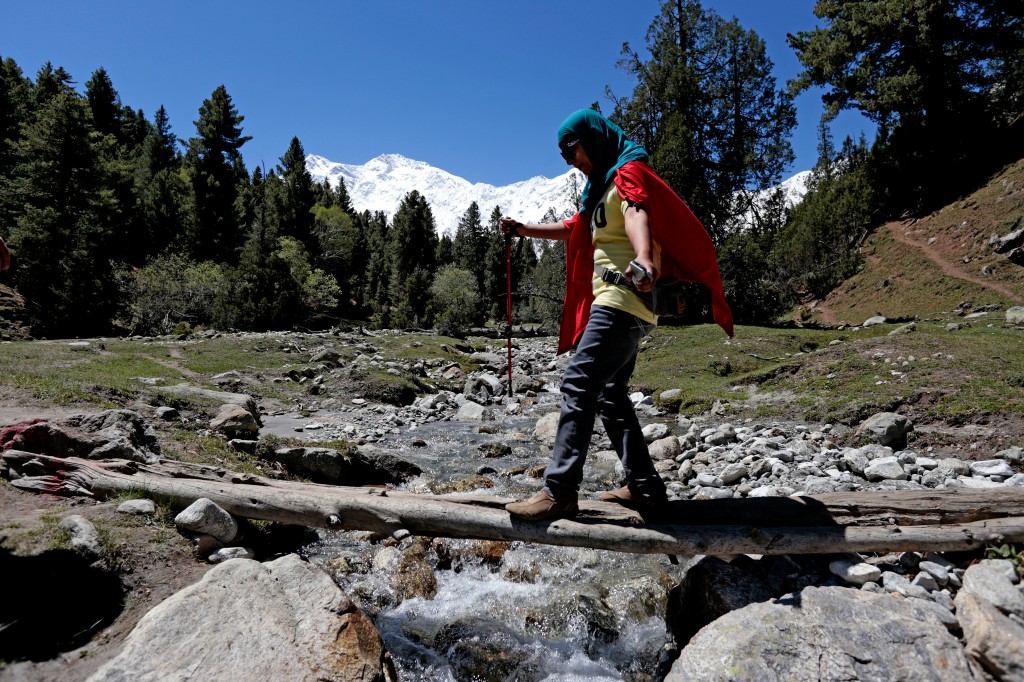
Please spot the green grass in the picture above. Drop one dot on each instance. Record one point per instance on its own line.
(55, 373)
(957, 376)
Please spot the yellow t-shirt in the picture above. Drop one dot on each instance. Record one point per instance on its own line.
(613, 250)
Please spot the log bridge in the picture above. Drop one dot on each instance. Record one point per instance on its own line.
(865, 522)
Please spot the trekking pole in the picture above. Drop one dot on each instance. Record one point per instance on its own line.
(508, 306)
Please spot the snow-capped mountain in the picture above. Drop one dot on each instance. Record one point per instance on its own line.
(381, 183)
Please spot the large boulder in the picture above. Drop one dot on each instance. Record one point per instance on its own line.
(283, 620)
(234, 421)
(827, 634)
(112, 434)
(216, 397)
(365, 465)
(886, 428)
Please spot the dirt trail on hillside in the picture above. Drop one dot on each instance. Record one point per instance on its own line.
(948, 268)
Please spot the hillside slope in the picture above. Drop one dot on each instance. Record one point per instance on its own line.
(941, 266)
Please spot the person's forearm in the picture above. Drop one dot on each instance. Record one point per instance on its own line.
(544, 231)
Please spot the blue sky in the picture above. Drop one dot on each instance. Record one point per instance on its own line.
(475, 88)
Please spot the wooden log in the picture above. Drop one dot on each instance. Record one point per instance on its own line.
(931, 520)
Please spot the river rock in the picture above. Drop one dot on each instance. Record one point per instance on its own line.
(992, 467)
(546, 428)
(203, 516)
(84, 536)
(140, 507)
(218, 397)
(474, 412)
(886, 428)
(234, 421)
(1015, 316)
(994, 581)
(992, 639)
(885, 469)
(282, 620)
(711, 589)
(485, 650)
(665, 448)
(830, 634)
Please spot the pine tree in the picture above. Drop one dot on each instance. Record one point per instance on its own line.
(469, 247)
(62, 235)
(216, 172)
(161, 193)
(941, 78)
(15, 102)
(412, 244)
(707, 109)
(298, 198)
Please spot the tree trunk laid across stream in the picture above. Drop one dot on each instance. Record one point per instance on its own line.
(885, 521)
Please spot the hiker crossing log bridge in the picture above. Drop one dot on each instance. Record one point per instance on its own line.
(881, 521)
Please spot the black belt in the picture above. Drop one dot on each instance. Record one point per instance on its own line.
(612, 277)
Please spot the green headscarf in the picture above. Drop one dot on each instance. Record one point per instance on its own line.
(606, 146)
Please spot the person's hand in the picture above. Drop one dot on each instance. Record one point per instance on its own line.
(646, 283)
(5, 256)
(509, 227)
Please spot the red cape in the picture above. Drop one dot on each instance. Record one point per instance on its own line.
(686, 250)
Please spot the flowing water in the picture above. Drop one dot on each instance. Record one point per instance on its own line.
(500, 611)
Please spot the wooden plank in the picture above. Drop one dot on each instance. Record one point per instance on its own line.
(934, 520)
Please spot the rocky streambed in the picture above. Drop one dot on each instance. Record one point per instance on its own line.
(473, 610)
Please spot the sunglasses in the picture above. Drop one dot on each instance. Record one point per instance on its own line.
(568, 152)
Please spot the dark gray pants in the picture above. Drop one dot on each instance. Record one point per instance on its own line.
(596, 382)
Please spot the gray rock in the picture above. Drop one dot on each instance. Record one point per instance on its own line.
(1015, 316)
(937, 571)
(235, 421)
(820, 634)
(992, 639)
(203, 516)
(326, 355)
(546, 428)
(993, 581)
(1013, 455)
(84, 537)
(137, 507)
(992, 467)
(711, 589)
(474, 412)
(885, 469)
(875, 320)
(219, 397)
(657, 431)
(166, 413)
(733, 473)
(855, 573)
(225, 553)
(665, 448)
(283, 620)
(886, 428)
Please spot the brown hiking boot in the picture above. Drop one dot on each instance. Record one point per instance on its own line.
(543, 506)
(631, 499)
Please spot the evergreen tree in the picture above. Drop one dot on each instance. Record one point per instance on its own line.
(412, 245)
(444, 255)
(469, 246)
(161, 193)
(707, 109)
(941, 78)
(494, 263)
(298, 198)
(49, 83)
(377, 280)
(216, 172)
(15, 101)
(118, 150)
(62, 235)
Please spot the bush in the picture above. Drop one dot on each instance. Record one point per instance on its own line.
(173, 289)
(455, 301)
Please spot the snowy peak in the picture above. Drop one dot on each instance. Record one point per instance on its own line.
(381, 183)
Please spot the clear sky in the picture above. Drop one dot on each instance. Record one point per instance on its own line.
(476, 88)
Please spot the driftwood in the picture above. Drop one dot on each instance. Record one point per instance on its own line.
(932, 520)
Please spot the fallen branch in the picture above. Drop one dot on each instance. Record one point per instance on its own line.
(933, 520)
